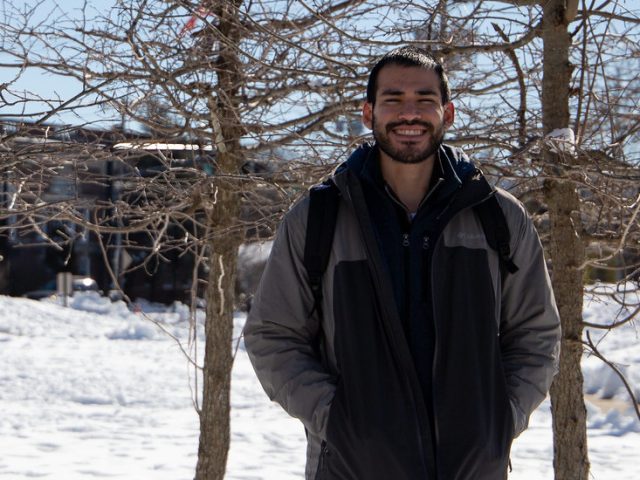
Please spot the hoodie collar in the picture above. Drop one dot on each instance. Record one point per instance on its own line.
(453, 166)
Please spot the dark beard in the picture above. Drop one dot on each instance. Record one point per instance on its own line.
(408, 154)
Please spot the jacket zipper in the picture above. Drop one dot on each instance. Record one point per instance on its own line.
(406, 244)
(410, 387)
(406, 250)
(406, 254)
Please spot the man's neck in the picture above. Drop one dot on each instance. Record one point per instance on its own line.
(409, 181)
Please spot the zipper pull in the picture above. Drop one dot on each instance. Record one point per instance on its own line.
(405, 239)
(425, 242)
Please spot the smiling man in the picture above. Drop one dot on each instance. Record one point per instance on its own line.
(436, 334)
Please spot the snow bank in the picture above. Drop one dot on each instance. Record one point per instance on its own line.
(621, 346)
(96, 390)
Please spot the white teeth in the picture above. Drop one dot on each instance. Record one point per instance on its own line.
(409, 132)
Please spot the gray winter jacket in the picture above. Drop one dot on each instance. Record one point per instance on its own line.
(349, 376)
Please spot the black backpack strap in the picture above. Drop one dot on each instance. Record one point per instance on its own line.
(324, 200)
(496, 231)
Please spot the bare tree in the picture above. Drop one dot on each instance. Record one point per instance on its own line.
(566, 248)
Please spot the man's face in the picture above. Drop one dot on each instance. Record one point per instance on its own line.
(408, 118)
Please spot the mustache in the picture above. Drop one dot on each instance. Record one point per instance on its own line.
(427, 125)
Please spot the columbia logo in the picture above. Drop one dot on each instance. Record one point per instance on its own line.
(470, 236)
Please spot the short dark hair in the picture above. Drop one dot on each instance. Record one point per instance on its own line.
(409, 56)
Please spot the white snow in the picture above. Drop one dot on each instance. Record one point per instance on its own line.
(98, 391)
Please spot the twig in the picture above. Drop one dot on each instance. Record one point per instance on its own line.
(597, 353)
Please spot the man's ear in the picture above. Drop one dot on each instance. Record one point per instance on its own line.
(367, 115)
(449, 114)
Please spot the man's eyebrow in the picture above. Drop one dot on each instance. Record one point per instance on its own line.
(422, 91)
(427, 91)
(391, 91)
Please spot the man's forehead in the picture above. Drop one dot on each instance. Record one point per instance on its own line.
(401, 77)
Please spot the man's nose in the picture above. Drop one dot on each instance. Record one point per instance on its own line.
(409, 112)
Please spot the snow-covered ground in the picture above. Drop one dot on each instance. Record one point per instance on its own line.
(97, 391)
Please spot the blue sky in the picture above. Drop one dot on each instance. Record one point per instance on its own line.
(38, 82)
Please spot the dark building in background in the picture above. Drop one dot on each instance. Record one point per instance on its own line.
(32, 255)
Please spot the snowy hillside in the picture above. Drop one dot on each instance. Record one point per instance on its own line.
(95, 391)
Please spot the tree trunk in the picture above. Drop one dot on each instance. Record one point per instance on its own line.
(571, 461)
(223, 248)
(215, 412)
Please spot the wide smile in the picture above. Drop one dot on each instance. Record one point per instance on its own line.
(409, 133)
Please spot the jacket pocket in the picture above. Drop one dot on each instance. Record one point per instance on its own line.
(321, 473)
(519, 419)
(334, 409)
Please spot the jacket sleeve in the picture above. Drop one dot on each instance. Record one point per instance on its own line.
(530, 324)
(280, 335)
